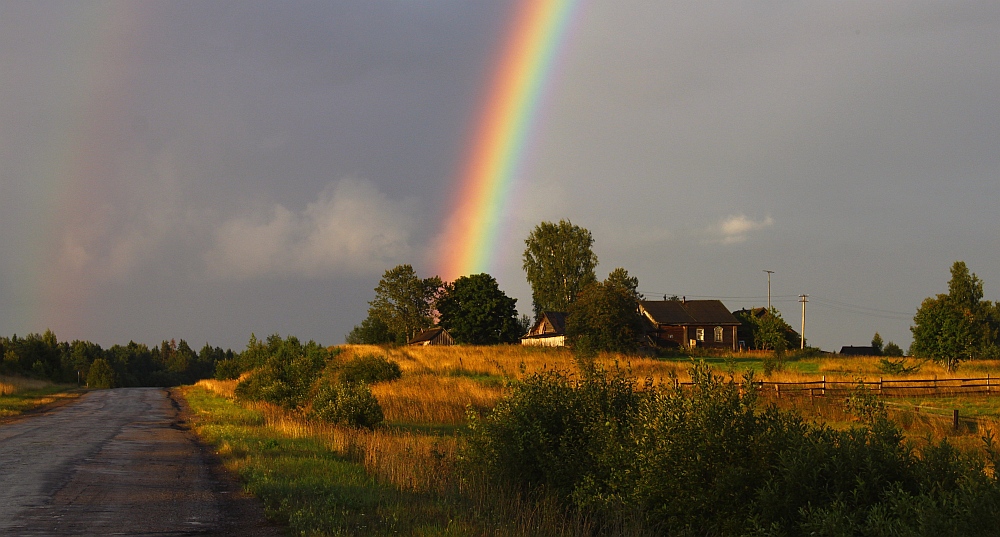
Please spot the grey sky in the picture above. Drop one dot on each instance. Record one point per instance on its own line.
(207, 170)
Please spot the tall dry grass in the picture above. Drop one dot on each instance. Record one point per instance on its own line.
(433, 399)
(14, 385)
(412, 461)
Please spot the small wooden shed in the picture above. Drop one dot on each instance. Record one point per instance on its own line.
(432, 336)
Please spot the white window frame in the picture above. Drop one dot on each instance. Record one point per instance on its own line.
(699, 334)
(718, 334)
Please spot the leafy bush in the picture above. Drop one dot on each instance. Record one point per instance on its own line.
(369, 368)
(287, 373)
(101, 375)
(347, 404)
(709, 460)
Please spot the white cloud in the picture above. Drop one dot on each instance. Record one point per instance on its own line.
(351, 227)
(734, 228)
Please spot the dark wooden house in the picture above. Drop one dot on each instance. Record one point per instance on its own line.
(432, 336)
(690, 323)
(548, 331)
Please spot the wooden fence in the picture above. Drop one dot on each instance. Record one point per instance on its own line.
(887, 387)
(935, 387)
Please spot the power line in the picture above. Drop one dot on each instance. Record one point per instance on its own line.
(823, 303)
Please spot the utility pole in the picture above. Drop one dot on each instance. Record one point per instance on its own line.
(802, 333)
(769, 273)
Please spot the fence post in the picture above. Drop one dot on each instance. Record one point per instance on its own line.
(880, 385)
(777, 389)
(988, 390)
(824, 385)
(955, 418)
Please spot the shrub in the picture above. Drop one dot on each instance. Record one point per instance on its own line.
(101, 375)
(708, 460)
(286, 374)
(347, 404)
(369, 368)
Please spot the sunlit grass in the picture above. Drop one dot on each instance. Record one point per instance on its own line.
(326, 480)
(404, 477)
(19, 395)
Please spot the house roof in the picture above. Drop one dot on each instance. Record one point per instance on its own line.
(850, 350)
(557, 320)
(426, 335)
(688, 312)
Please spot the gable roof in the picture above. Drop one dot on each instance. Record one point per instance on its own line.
(851, 350)
(557, 320)
(551, 323)
(427, 335)
(687, 312)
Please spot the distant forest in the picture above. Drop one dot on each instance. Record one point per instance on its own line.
(172, 363)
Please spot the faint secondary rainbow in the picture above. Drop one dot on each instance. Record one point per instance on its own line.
(502, 136)
(70, 169)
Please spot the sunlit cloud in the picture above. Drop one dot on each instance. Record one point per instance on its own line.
(735, 228)
(350, 228)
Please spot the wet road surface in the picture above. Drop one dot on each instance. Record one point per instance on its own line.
(116, 462)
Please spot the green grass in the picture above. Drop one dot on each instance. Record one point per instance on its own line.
(305, 485)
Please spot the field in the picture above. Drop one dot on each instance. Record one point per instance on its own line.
(404, 477)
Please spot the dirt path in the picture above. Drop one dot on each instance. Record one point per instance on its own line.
(117, 462)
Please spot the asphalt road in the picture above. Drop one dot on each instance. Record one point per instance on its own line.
(116, 462)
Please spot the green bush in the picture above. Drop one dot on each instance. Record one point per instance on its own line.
(101, 375)
(286, 372)
(557, 433)
(347, 404)
(711, 460)
(369, 368)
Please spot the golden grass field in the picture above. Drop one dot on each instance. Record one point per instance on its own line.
(440, 385)
(416, 451)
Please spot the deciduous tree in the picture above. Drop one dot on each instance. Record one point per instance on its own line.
(559, 263)
(403, 301)
(474, 310)
(605, 316)
(950, 328)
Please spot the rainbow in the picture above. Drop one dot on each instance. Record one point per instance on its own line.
(69, 170)
(502, 135)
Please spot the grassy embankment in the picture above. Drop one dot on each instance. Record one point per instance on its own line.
(19, 395)
(404, 478)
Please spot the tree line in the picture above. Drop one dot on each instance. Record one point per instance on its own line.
(171, 363)
(559, 263)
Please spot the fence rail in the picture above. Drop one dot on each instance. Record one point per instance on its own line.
(987, 385)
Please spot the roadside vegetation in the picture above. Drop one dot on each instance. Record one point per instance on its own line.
(508, 440)
(19, 395)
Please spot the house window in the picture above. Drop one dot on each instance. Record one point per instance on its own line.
(700, 334)
(718, 334)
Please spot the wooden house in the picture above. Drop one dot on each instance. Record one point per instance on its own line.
(548, 331)
(432, 336)
(690, 323)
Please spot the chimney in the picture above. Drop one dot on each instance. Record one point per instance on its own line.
(684, 300)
